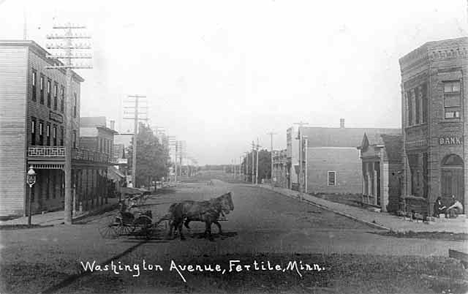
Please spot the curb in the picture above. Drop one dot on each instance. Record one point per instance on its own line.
(375, 225)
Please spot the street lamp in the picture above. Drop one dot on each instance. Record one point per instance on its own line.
(30, 180)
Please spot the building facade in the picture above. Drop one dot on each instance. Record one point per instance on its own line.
(32, 129)
(434, 120)
(280, 173)
(328, 160)
(381, 170)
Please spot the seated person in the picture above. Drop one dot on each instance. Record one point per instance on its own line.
(438, 207)
(455, 209)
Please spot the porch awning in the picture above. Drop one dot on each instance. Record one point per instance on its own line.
(114, 174)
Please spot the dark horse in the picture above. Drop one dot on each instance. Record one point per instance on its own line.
(204, 211)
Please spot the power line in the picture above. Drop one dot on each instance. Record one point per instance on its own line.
(136, 120)
(65, 62)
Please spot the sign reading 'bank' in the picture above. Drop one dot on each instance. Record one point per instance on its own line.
(450, 141)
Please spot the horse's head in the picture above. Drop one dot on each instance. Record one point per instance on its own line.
(226, 203)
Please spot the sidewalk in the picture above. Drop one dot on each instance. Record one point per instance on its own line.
(381, 220)
(56, 217)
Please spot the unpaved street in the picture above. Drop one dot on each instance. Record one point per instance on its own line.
(264, 227)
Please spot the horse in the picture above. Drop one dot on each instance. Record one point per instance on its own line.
(204, 211)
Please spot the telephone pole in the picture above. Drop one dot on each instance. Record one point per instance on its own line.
(173, 143)
(271, 156)
(300, 138)
(68, 54)
(135, 110)
(253, 162)
(256, 172)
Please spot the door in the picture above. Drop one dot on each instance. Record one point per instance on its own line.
(452, 182)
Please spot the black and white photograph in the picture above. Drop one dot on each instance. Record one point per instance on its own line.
(233, 146)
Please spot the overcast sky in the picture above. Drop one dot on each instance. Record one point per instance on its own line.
(219, 74)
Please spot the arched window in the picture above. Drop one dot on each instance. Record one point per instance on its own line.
(452, 160)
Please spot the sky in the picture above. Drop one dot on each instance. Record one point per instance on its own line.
(220, 74)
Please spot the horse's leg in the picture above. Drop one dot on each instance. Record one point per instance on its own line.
(186, 224)
(179, 226)
(208, 230)
(219, 227)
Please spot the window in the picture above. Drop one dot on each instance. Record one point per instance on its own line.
(452, 100)
(48, 134)
(48, 93)
(42, 90)
(55, 95)
(62, 134)
(33, 131)
(331, 181)
(417, 104)
(409, 99)
(74, 139)
(62, 98)
(34, 82)
(424, 102)
(75, 104)
(54, 135)
(41, 133)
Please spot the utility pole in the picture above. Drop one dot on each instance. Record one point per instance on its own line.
(136, 108)
(299, 137)
(173, 143)
(271, 156)
(246, 171)
(256, 173)
(253, 162)
(68, 54)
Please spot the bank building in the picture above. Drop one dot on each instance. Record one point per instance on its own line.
(434, 123)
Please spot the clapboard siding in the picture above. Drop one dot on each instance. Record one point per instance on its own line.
(13, 79)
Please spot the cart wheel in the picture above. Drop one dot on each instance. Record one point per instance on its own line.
(108, 228)
(123, 228)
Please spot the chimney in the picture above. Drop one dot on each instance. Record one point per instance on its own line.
(342, 123)
(112, 124)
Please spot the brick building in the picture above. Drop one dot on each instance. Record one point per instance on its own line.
(331, 162)
(434, 120)
(32, 129)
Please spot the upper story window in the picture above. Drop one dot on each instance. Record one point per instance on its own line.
(41, 133)
(48, 134)
(54, 135)
(41, 85)
(34, 83)
(62, 98)
(55, 95)
(49, 100)
(75, 98)
(417, 105)
(452, 100)
(33, 131)
(62, 135)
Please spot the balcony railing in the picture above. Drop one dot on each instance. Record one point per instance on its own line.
(59, 152)
(88, 155)
(46, 151)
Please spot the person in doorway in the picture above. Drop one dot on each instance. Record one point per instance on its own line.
(438, 207)
(455, 209)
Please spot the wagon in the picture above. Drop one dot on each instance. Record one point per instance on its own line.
(128, 223)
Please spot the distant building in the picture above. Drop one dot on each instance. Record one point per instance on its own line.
(435, 123)
(381, 156)
(331, 160)
(96, 137)
(280, 173)
(32, 128)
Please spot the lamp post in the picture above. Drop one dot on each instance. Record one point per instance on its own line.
(30, 180)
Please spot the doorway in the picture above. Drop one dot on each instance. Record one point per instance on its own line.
(452, 181)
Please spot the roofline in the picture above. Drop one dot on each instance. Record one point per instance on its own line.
(41, 51)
